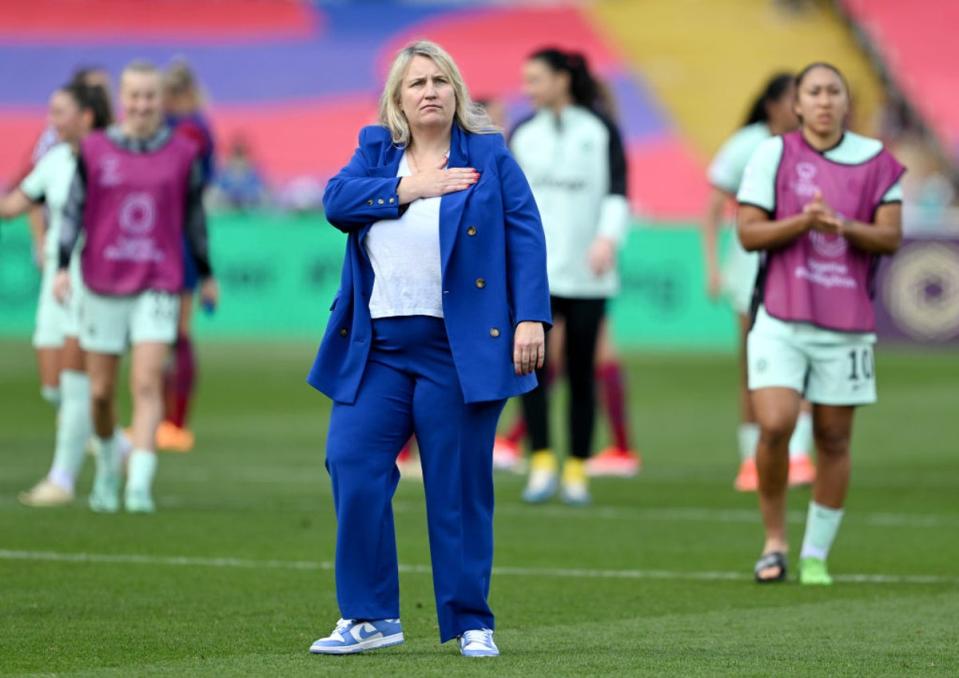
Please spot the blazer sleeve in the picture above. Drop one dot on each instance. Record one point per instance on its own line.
(353, 198)
(525, 246)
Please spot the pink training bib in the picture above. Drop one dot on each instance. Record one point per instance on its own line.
(134, 214)
(818, 278)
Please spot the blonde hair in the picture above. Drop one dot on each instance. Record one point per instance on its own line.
(180, 80)
(469, 115)
(141, 66)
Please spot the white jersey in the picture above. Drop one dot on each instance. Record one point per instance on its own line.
(576, 167)
(49, 182)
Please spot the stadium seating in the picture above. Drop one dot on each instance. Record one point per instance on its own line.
(918, 45)
(296, 80)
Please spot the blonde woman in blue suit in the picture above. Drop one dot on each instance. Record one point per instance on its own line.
(440, 318)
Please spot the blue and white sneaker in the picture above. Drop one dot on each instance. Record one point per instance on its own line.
(351, 636)
(478, 643)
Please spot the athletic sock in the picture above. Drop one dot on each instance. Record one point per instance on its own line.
(51, 394)
(123, 444)
(517, 431)
(822, 524)
(543, 460)
(180, 381)
(613, 388)
(574, 470)
(748, 440)
(108, 458)
(140, 471)
(801, 443)
(74, 429)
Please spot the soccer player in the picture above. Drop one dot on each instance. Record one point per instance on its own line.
(137, 188)
(822, 204)
(75, 111)
(48, 350)
(619, 459)
(573, 156)
(184, 102)
(771, 114)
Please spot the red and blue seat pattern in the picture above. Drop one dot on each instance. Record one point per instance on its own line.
(298, 79)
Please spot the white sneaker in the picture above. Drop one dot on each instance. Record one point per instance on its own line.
(575, 493)
(45, 494)
(540, 486)
(351, 636)
(478, 643)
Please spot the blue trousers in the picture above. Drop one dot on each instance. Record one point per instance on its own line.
(411, 386)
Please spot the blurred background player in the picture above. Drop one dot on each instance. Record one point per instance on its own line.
(137, 188)
(75, 111)
(238, 183)
(573, 157)
(771, 114)
(183, 101)
(48, 356)
(823, 204)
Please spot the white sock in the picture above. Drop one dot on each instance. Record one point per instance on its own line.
(74, 429)
(822, 524)
(140, 471)
(748, 440)
(801, 443)
(51, 394)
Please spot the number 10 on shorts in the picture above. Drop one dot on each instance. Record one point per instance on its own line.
(861, 364)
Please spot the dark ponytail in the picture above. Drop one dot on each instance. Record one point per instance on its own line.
(774, 90)
(582, 86)
(91, 98)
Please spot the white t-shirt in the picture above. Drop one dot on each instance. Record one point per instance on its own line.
(405, 254)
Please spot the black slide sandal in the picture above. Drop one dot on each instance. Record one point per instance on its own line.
(768, 560)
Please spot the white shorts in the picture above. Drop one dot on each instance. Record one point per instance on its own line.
(110, 324)
(827, 368)
(739, 276)
(55, 321)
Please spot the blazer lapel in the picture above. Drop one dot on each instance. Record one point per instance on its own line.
(453, 204)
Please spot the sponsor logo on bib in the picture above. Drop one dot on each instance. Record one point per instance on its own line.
(138, 214)
(804, 185)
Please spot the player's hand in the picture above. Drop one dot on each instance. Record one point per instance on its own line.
(821, 216)
(436, 181)
(62, 287)
(529, 347)
(602, 255)
(210, 293)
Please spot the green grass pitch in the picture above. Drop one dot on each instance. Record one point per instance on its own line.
(232, 576)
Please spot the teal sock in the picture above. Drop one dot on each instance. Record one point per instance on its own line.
(748, 440)
(141, 468)
(51, 394)
(801, 443)
(822, 524)
(108, 461)
(74, 429)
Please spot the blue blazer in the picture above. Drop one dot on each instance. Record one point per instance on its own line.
(493, 255)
